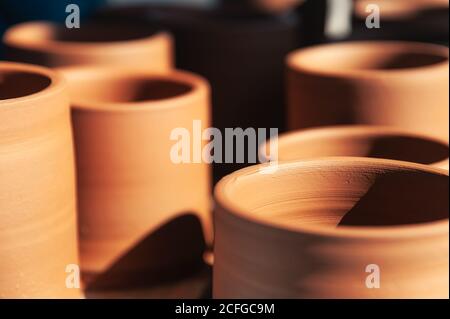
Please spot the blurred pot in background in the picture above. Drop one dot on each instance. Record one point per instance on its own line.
(360, 141)
(54, 45)
(397, 84)
(38, 233)
(410, 20)
(241, 55)
(143, 217)
(332, 228)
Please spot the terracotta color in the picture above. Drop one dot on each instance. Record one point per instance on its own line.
(51, 45)
(380, 83)
(37, 184)
(262, 6)
(359, 141)
(314, 226)
(241, 54)
(275, 5)
(140, 215)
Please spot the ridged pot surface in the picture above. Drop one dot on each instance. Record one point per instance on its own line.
(332, 228)
(37, 185)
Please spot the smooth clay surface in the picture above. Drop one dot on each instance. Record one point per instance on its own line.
(313, 228)
(141, 215)
(359, 141)
(397, 84)
(37, 185)
(110, 44)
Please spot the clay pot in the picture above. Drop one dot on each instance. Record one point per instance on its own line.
(241, 55)
(52, 45)
(141, 215)
(263, 6)
(37, 185)
(380, 83)
(410, 20)
(330, 228)
(359, 141)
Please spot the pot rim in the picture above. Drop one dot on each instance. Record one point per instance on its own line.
(352, 232)
(395, 10)
(383, 47)
(12, 38)
(56, 85)
(198, 88)
(348, 131)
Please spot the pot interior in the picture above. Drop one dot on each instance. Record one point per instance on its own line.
(370, 57)
(401, 147)
(106, 89)
(18, 83)
(335, 193)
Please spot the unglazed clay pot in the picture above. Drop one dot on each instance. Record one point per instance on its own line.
(37, 185)
(241, 54)
(358, 141)
(339, 227)
(398, 84)
(141, 214)
(263, 6)
(411, 20)
(52, 45)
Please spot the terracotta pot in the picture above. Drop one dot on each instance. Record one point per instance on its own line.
(399, 9)
(410, 20)
(242, 56)
(37, 184)
(380, 83)
(359, 141)
(52, 45)
(330, 228)
(141, 215)
(263, 6)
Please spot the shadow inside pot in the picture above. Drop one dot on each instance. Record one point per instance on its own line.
(401, 198)
(411, 149)
(16, 84)
(170, 253)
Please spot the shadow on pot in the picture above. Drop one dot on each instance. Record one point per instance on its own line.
(400, 191)
(170, 253)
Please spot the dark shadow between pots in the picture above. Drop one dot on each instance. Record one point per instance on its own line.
(169, 254)
(401, 198)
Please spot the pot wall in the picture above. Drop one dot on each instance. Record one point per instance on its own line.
(111, 44)
(315, 225)
(379, 83)
(140, 213)
(37, 184)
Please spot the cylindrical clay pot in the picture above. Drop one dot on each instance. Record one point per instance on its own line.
(121, 44)
(358, 141)
(333, 228)
(141, 213)
(380, 83)
(37, 186)
(241, 55)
